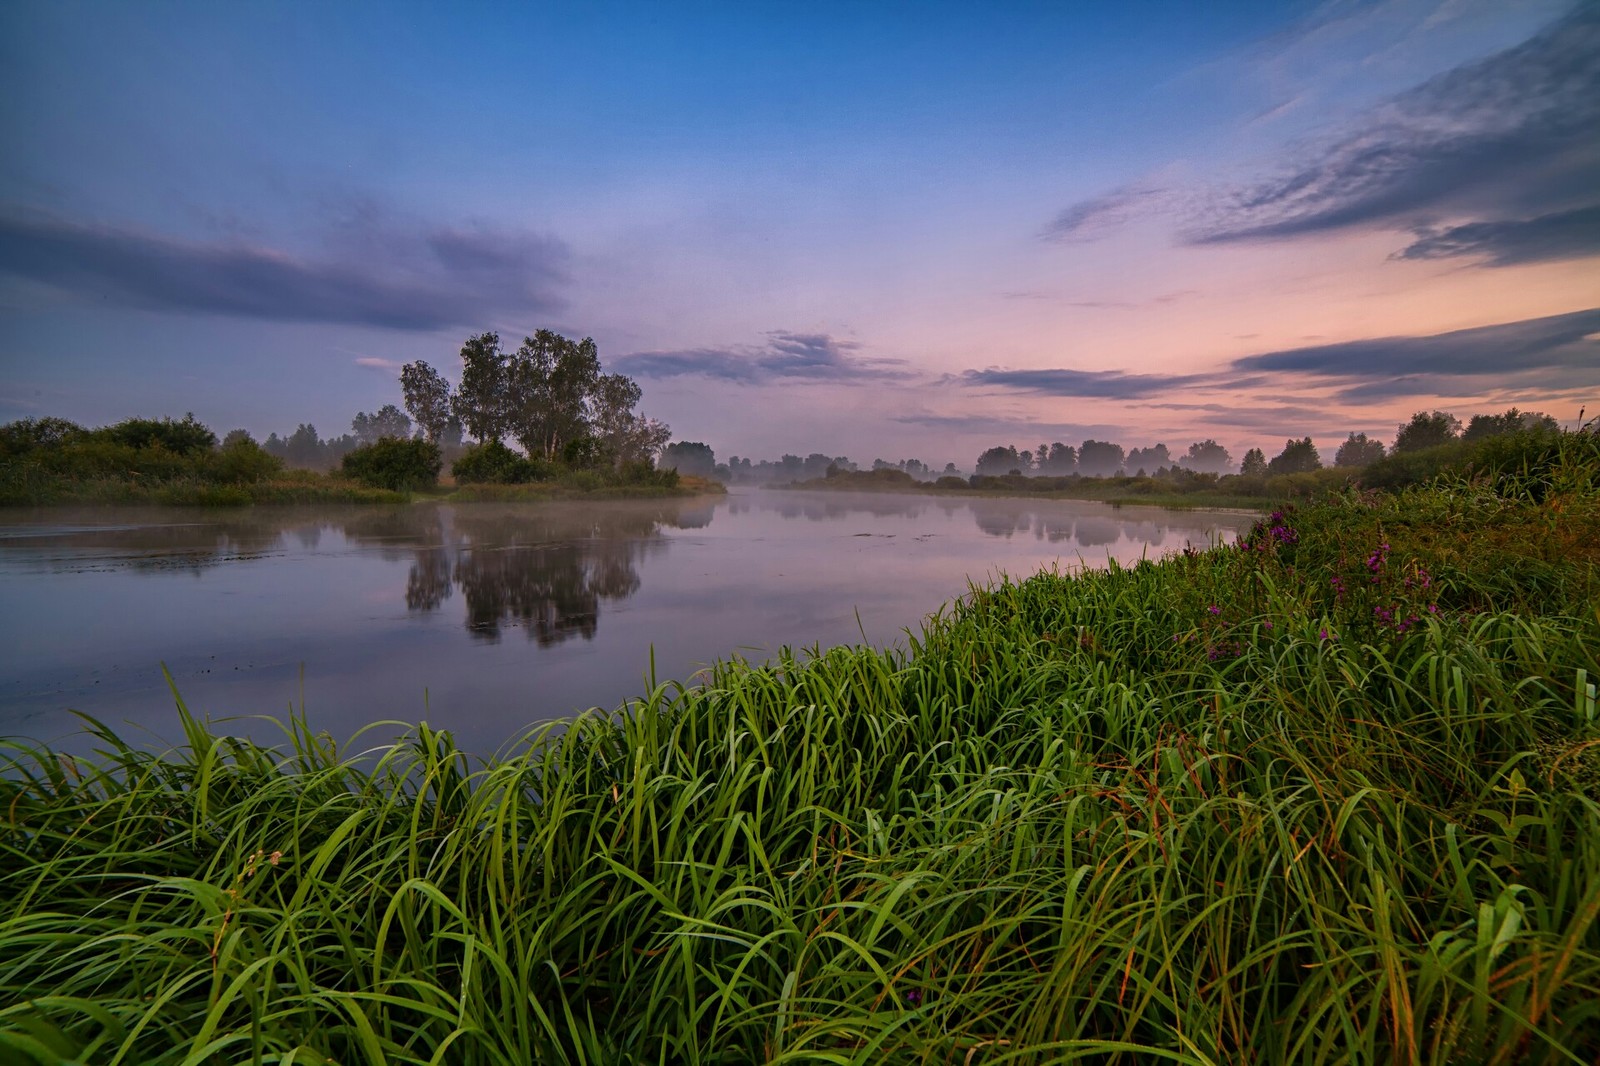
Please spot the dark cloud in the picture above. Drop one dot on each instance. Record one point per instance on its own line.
(1562, 235)
(424, 279)
(1087, 384)
(1558, 341)
(1090, 220)
(1509, 136)
(785, 356)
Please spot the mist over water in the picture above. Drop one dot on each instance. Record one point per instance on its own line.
(489, 618)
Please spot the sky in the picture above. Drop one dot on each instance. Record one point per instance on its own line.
(867, 229)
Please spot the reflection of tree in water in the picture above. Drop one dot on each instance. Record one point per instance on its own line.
(545, 568)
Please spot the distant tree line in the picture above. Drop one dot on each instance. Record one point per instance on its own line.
(1093, 458)
(1104, 459)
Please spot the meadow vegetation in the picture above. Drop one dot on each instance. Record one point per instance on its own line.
(1329, 794)
(168, 461)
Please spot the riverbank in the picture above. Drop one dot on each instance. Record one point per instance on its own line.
(1329, 791)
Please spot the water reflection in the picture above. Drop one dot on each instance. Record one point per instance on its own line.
(546, 568)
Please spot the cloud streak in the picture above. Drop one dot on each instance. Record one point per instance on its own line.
(425, 279)
(1100, 216)
(1507, 136)
(1084, 384)
(1553, 352)
(786, 356)
(1562, 235)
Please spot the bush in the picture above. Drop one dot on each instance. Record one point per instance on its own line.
(180, 438)
(242, 462)
(949, 482)
(492, 463)
(392, 463)
(26, 434)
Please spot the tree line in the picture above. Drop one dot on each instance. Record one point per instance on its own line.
(1426, 429)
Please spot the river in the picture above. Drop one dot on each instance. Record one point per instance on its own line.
(487, 619)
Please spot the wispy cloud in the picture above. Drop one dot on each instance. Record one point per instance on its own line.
(1086, 384)
(786, 356)
(1100, 216)
(425, 278)
(372, 362)
(1508, 136)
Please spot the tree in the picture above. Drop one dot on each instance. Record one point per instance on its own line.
(691, 457)
(1099, 458)
(1358, 450)
(237, 436)
(427, 396)
(552, 380)
(1512, 421)
(389, 421)
(1427, 430)
(1149, 458)
(1001, 459)
(1297, 457)
(1063, 460)
(1255, 463)
(1207, 457)
(481, 400)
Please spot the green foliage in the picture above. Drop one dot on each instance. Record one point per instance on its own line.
(180, 438)
(395, 464)
(1209, 809)
(1358, 451)
(1510, 421)
(23, 436)
(1427, 429)
(1297, 457)
(1254, 464)
(492, 463)
(243, 461)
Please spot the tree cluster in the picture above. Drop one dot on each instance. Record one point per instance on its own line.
(551, 396)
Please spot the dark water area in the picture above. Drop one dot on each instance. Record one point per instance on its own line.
(487, 619)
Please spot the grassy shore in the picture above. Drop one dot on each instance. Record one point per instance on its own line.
(1328, 795)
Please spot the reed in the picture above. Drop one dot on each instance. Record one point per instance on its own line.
(1327, 795)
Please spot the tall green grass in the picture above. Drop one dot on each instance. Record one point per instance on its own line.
(1216, 809)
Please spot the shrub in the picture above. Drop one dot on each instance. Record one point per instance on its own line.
(492, 463)
(180, 438)
(391, 463)
(242, 462)
(26, 434)
(949, 482)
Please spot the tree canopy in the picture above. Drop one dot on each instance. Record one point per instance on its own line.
(1427, 429)
(1358, 450)
(1297, 457)
(550, 396)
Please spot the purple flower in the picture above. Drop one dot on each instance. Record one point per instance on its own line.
(1323, 635)
(1214, 609)
(913, 997)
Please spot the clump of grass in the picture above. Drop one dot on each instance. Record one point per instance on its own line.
(1209, 809)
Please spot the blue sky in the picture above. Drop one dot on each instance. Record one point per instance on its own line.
(876, 230)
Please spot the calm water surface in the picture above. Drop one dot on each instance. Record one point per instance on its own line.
(487, 618)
